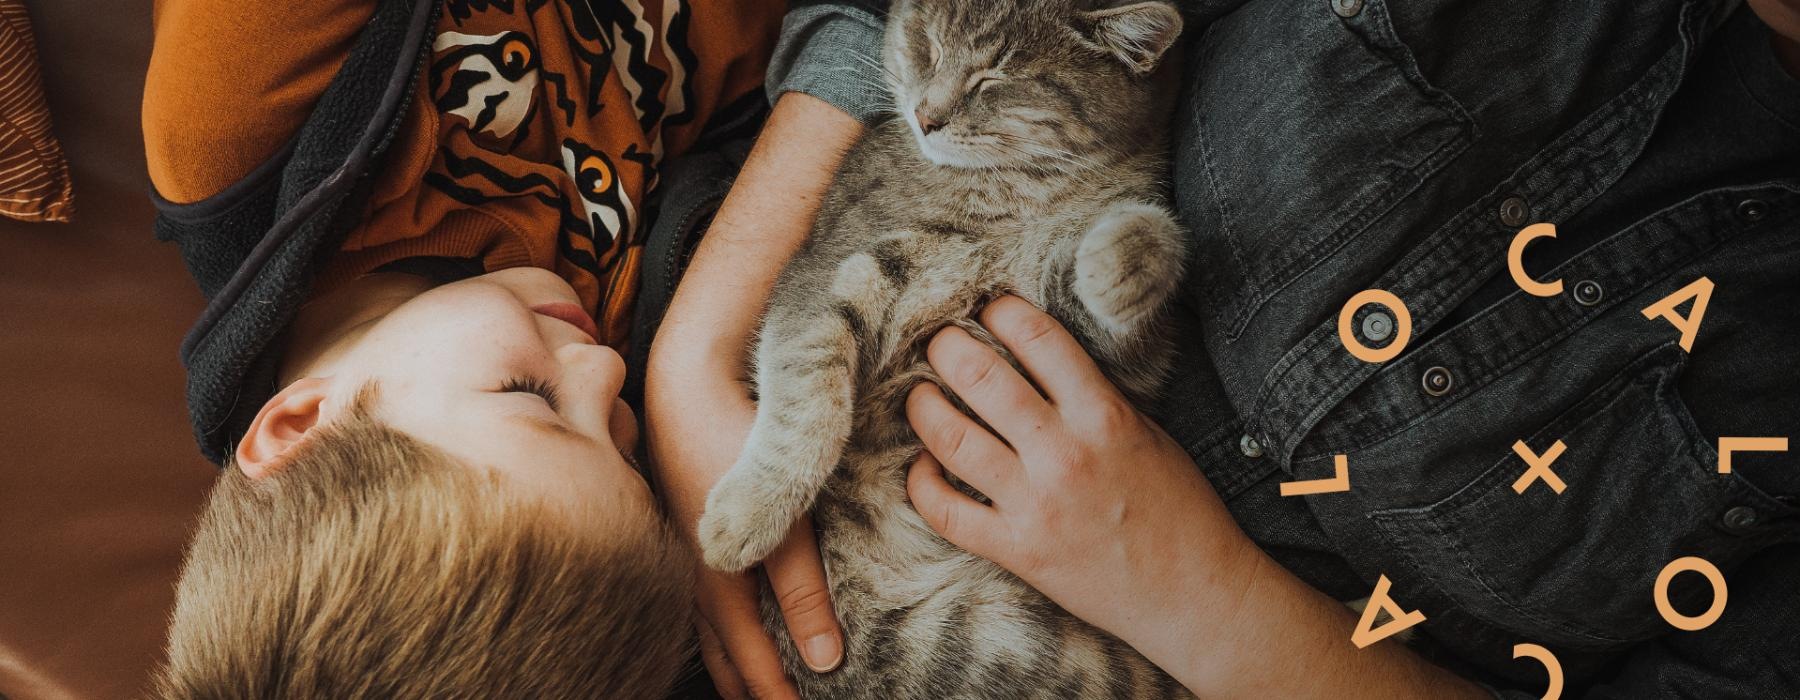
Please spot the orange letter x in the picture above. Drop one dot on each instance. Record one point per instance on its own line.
(1540, 467)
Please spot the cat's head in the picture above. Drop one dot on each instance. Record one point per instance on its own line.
(1045, 83)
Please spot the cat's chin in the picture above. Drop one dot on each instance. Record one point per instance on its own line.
(938, 155)
(952, 157)
(949, 157)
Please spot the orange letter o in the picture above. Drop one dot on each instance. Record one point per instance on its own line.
(1402, 325)
(1705, 568)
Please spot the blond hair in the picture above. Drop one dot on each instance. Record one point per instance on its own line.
(373, 565)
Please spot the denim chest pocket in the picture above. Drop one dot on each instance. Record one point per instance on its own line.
(1578, 568)
(1309, 120)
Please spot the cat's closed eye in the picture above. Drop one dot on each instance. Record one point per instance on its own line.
(982, 81)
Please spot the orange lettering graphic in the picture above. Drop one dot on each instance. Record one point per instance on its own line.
(1540, 467)
(1335, 484)
(1704, 568)
(1366, 633)
(1402, 326)
(1728, 445)
(1701, 292)
(1551, 665)
(1515, 261)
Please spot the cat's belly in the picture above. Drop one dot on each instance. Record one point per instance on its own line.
(923, 619)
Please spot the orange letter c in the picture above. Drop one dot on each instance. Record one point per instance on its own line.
(1515, 261)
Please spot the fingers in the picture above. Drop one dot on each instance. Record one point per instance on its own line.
(728, 604)
(988, 384)
(797, 576)
(1053, 358)
(718, 667)
(960, 519)
(969, 449)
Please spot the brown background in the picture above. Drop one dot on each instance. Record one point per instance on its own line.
(99, 478)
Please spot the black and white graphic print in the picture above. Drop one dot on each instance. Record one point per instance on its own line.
(492, 80)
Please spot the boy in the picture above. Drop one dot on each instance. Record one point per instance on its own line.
(419, 225)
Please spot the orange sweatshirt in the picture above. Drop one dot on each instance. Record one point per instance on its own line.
(533, 138)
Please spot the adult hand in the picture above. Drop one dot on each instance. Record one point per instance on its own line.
(1092, 503)
(1100, 510)
(695, 431)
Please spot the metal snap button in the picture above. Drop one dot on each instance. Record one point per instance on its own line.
(1740, 518)
(1347, 8)
(1753, 209)
(1514, 211)
(1378, 325)
(1437, 381)
(1588, 293)
(1250, 447)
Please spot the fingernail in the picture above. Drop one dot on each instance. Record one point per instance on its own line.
(822, 653)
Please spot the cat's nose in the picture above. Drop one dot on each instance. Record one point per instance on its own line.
(926, 124)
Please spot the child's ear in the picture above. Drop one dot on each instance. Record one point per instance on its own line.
(281, 424)
(1136, 34)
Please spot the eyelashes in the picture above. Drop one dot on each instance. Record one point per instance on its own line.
(532, 385)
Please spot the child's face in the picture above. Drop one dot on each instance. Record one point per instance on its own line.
(457, 366)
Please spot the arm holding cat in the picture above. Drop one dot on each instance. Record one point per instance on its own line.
(1097, 508)
(699, 411)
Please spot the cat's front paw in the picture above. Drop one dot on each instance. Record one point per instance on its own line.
(1127, 265)
(742, 523)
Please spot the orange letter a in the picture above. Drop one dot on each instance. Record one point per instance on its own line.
(1701, 292)
(1366, 633)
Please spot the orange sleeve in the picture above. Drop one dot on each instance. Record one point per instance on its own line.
(230, 82)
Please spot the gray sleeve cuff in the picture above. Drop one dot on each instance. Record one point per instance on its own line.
(830, 51)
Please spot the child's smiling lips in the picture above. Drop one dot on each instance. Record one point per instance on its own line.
(571, 314)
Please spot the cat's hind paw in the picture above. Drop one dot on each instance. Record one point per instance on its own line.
(1128, 264)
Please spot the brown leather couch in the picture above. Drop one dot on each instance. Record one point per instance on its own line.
(99, 479)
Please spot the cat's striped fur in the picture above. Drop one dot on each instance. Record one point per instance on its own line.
(1046, 182)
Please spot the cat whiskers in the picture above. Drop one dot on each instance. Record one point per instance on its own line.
(1033, 151)
(862, 80)
(894, 81)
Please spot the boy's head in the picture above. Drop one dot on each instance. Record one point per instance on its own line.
(438, 504)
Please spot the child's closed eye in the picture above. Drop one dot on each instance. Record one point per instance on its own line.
(532, 385)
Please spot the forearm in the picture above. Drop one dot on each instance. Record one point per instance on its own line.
(1268, 634)
(698, 412)
(762, 222)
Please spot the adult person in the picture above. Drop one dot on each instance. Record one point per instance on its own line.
(1324, 148)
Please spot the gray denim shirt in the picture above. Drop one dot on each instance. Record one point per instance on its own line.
(1326, 147)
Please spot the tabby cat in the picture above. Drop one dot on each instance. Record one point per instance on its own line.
(1028, 158)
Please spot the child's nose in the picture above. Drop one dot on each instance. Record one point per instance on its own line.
(601, 360)
(592, 377)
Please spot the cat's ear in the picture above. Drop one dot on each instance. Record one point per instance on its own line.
(1137, 34)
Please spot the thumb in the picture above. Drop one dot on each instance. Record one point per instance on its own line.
(797, 576)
